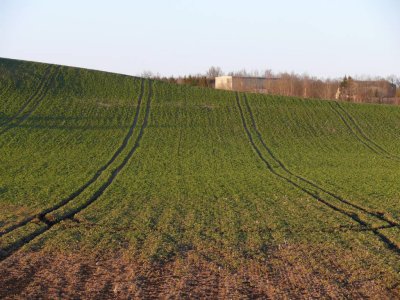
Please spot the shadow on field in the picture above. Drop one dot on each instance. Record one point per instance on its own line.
(3, 190)
(66, 123)
(3, 118)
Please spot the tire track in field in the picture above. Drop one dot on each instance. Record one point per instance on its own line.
(369, 212)
(98, 173)
(386, 240)
(26, 103)
(363, 134)
(12, 248)
(358, 133)
(36, 99)
(121, 166)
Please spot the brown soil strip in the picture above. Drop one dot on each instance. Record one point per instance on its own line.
(288, 272)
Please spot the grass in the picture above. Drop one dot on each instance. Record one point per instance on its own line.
(227, 176)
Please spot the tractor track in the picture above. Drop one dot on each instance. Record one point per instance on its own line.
(377, 215)
(376, 231)
(363, 134)
(24, 105)
(120, 167)
(358, 133)
(351, 129)
(98, 173)
(36, 99)
(12, 248)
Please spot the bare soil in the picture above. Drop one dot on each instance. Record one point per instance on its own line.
(288, 272)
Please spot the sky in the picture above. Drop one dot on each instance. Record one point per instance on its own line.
(175, 37)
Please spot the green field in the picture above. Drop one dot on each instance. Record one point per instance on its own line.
(299, 194)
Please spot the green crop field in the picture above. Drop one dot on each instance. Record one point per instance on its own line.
(120, 185)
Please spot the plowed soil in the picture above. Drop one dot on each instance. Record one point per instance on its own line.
(289, 272)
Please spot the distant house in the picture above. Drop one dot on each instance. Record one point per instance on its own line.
(243, 84)
(358, 90)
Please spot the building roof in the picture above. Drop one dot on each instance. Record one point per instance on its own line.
(248, 77)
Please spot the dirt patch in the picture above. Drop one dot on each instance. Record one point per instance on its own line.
(208, 106)
(103, 104)
(287, 272)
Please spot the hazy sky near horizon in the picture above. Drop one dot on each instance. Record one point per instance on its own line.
(175, 37)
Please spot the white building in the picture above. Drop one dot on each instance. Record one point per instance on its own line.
(240, 83)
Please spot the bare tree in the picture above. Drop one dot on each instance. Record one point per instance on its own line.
(392, 79)
(147, 74)
(268, 73)
(214, 72)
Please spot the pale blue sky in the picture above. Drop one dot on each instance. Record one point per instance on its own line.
(319, 37)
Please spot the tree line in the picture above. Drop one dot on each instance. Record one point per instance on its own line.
(357, 89)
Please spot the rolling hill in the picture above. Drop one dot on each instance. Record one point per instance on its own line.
(113, 185)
